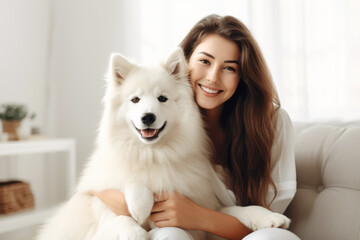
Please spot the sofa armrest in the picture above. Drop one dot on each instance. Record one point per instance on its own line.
(327, 202)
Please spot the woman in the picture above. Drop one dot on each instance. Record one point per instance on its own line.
(251, 135)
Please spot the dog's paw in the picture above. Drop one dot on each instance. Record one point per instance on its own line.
(120, 228)
(140, 201)
(134, 233)
(139, 214)
(272, 220)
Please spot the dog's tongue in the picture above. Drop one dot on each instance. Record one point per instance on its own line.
(148, 133)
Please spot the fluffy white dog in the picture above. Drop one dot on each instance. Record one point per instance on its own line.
(151, 140)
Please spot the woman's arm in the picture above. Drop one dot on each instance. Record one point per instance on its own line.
(223, 225)
(176, 210)
(114, 200)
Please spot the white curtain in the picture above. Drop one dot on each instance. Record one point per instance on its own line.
(312, 47)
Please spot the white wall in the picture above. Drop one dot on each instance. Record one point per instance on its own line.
(24, 38)
(82, 40)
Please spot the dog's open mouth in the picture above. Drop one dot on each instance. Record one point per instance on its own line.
(150, 133)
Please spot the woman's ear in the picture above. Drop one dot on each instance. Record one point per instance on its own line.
(119, 67)
(176, 63)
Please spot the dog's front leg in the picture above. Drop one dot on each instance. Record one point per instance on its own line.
(140, 201)
(113, 227)
(256, 217)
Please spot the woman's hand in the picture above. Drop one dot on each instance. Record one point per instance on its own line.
(175, 210)
(114, 200)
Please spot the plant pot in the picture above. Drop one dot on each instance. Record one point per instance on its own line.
(11, 127)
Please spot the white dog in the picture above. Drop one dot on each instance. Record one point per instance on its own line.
(151, 140)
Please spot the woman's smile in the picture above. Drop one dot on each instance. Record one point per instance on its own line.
(209, 92)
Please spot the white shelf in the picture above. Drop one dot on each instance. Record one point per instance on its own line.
(37, 215)
(36, 146)
(24, 219)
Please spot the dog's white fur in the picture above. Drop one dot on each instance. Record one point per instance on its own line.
(176, 160)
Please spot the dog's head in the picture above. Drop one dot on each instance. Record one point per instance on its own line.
(147, 98)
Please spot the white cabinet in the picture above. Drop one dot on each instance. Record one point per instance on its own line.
(37, 215)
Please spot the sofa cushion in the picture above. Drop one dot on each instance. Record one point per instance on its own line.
(327, 202)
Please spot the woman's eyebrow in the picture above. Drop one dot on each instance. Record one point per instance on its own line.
(211, 56)
(207, 54)
(232, 61)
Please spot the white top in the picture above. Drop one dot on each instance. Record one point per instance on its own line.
(283, 170)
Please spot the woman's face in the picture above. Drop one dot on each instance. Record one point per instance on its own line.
(214, 71)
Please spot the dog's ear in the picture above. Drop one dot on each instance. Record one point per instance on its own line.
(120, 67)
(176, 63)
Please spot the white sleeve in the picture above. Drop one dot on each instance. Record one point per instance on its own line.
(283, 170)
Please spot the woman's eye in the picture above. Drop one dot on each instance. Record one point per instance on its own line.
(135, 100)
(162, 98)
(204, 61)
(230, 69)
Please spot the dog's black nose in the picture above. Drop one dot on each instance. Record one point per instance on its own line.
(148, 118)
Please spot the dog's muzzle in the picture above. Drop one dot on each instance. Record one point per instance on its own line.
(150, 133)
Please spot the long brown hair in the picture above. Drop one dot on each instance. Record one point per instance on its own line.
(249, 116)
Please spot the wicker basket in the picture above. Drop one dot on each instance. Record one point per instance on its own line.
(15, 196)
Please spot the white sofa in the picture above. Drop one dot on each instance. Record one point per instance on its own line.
(327, 202)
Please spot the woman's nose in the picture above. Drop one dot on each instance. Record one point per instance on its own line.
(213, 75)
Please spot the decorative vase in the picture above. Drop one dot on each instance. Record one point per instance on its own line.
(11, 127)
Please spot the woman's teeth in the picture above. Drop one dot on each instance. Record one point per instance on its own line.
(208, 90)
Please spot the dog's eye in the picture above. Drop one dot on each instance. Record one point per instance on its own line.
(162, 98)
(135, 100)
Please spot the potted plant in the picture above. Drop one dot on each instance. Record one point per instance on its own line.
(11, 116)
